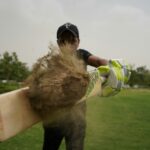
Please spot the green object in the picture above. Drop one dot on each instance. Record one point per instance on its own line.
(117, 74)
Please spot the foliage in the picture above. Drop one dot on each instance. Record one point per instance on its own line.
(140, 76)
(6, 87)
(11, 68)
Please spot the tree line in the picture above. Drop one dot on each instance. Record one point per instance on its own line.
(140, 77)
(11, 68)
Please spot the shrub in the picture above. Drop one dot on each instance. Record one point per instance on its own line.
(6, 87)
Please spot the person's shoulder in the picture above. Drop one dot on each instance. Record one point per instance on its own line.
(84, 54)
(82, 50)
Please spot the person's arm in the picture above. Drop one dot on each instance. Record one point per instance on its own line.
(96, 61)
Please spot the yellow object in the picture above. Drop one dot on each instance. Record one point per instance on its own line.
(117, 75)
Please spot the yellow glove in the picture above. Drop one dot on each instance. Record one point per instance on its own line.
(118, 73)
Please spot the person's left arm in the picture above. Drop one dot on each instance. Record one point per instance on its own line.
(91, 59)
(96, 61)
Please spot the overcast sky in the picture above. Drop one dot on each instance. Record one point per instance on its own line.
(108, 28)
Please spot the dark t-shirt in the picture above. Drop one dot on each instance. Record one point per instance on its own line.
(83, 54)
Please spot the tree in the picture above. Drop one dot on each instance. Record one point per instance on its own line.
(140, 76)
(11, 68)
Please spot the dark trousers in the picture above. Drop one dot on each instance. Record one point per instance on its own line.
(72, 128)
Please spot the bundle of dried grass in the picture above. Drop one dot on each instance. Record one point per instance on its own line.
(58, 80)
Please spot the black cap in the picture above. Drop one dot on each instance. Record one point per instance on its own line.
(68, 27)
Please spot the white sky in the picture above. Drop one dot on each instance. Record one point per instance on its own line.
(108, 28)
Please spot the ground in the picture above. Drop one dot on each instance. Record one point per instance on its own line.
(121, 122)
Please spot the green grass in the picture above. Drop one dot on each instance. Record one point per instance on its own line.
(121, 122)
(6, 87)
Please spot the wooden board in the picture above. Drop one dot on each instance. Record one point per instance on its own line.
(16, 114)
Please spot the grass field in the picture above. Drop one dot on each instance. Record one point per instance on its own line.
(121, 122)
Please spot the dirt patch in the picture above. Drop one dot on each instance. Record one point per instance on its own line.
(58, 80)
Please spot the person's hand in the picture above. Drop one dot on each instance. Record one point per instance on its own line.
(114, 76)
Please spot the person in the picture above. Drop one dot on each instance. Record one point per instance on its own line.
(72, 126)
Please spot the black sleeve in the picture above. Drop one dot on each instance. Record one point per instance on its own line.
(83, 54)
